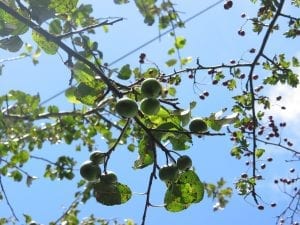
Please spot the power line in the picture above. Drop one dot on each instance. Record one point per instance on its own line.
(146, 43)
(165, 32)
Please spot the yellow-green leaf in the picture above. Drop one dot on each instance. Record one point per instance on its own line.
(48, 46)
(65, 6)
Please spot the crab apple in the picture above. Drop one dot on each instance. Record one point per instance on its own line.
(127, 107)
(97, 157)
(90, 171)
(168, 173)
(150, 106)
(184, 162)
(151, 88)
(109, 177)
(198, 125)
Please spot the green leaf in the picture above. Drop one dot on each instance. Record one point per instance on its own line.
(83, 74)
(23, 156)
(186, 60)
(86, 94)
(71, 96)
(125, 192)
(179, 141)
(27, 218)
(20, 157)
(16, 175)
(55, 27)
(171, 62)
(12, 44)
(216, 123)
(40, 11)
(259, 152)
(185, 116)
(48, 46)
(119, 2)
(112, 194)
(187, 189)
(171, 51)
(146, 9)
(10, 25)
(125, 72)
(172, 91)
(180, 42)
(63, 7)
(146, 153)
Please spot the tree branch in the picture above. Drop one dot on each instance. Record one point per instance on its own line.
(57, 40)
(252, 91)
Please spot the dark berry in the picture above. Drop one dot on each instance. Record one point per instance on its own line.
(241, 32)
(191, 76)
(214, 82)
(261, 207)
(142, 56)
(205, 93)
(252, 50)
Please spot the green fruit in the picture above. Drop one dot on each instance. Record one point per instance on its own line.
(198, 125)
(109, 178)
(97, 157)
(184, 162)
(90, 171)
(127, 107)
(150, 106)
(168, 173)
(151, 88)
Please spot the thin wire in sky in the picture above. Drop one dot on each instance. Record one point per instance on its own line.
(146, 43)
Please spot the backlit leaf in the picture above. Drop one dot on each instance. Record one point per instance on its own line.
(125, 72)
(65, 6)
(48, 46)
(180, 42)
(187, 189)
(86, 94)
(71, 96)
(12, 44)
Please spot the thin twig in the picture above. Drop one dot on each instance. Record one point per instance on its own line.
(6, 199)
(109, 152)
(17, 167)
(104, 23)
(74, 203)
(152, 175)
(279, 145)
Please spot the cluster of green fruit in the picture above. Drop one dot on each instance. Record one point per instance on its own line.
(169, 173)
(183, 185)
(150, 105)
(106, 188)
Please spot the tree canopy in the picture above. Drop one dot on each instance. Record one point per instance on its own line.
(139, 107)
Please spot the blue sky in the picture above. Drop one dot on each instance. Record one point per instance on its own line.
(213, 38)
